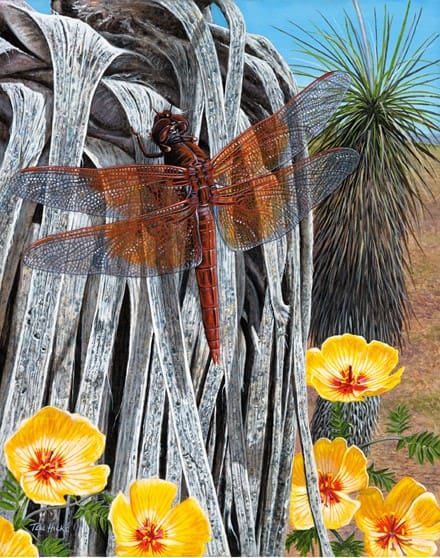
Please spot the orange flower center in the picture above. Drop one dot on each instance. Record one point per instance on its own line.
(47, 465)
(348, 382)
(394, 533)
(328, 487)
(149, 537)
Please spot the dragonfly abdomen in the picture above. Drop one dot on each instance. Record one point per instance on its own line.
(206, 275)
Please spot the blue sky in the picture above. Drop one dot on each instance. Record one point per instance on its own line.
(262, 16)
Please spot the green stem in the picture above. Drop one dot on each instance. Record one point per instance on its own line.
(378, 440)
(337, 535)
(77, 502)
(21, 509)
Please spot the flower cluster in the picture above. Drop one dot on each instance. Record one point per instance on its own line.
(53, 454)
(404, 523)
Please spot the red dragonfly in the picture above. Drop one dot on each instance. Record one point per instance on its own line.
(167, 212)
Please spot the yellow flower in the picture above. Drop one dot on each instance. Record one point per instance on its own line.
(406, 523)
(15, 543)
(347, 368)
(51, 455)
(149, 526)
(341, 471)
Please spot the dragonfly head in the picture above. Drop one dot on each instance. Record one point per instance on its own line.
(168, 126)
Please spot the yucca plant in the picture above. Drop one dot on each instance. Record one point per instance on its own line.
(362, 231)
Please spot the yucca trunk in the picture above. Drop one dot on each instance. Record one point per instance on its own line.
(361, 233)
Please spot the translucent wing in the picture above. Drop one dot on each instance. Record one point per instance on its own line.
(273, 142)
(159, 242)
(114, 191)
(268, 206)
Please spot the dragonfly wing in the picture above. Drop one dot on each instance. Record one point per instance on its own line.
(113, 191)
(274, 141)
(267, 207)
(159, 242)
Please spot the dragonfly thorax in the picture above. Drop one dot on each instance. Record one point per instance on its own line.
(201, 181)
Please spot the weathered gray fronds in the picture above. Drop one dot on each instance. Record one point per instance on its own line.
(27, 131)
(73, 43)
(131, 354)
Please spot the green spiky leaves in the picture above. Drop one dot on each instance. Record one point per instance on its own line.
(382, 478)
(424, 446)
(95, 512)
(388, 115)
(304, 541)
(348, 547)
(13, 499)
(399, 420)
(52, 546)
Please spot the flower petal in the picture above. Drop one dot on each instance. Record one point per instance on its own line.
(15, 543)
(89, 480)
(423, 518)
(353, 470)
(339, 514)
(379, 385)
(402, 496)
(372, 507)
(380, 356)
(329, 454)
(152, 499)
(187, 529)
(300, 515)
(316, 364)
(373, 548)
(45, 493)
(124, 525)
(345, 350)
(419, 547)
(298, 476)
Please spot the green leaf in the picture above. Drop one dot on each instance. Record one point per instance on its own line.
(20, 521)
(51, 546)
(95, 512)
(11, 486)
(382, 478)
(425, 446)
(12, 498)
(339, 425)
(4, 495)
(399, 420)
(10, 506)
(348, 547)
(303, 541)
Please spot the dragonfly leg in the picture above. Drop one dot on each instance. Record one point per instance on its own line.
(140, 141)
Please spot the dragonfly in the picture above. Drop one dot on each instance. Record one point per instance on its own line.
(164, 217)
